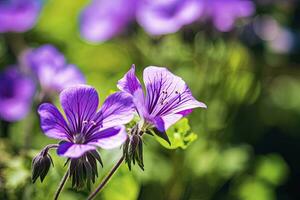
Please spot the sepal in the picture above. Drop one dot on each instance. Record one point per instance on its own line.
(133, 151)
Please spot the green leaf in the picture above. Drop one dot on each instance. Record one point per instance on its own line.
(180, 135)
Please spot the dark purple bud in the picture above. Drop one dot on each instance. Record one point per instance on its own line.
(41, 165)
(133, 151)
(83, 170)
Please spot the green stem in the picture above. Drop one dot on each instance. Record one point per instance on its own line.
(61, 185)
(106, 179)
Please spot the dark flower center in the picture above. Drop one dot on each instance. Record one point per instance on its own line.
(79, 138)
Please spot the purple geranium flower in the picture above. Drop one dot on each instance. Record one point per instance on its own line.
(18, 15)
(103, 19)
(164, 17)
(225, 13)
(51, 70)
(85, 128)
(167, 98)
(16, 93)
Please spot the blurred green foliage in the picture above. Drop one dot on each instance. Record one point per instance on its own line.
(213, 154)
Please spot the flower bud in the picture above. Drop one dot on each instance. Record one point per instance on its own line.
(84, 170)
(41, 165)
(133, 151)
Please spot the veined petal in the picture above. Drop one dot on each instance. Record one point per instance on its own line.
(164, 122)
(129, 83)
(109, 138)
(167, 93)
(80, 105)
(52, 122)
(116, 110)
(71, 150)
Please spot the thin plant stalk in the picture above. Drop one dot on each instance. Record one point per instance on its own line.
(106, 179)
(61, 185)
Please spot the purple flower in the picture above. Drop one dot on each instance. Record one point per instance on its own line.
(18, 15)
(85, 127)
(51, 70)
(102, 19)
(167, 98)
(224, 13)
(16, 93)
(164, 17)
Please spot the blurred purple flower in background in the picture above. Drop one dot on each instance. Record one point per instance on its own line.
(164, 17)
(167, 99)
(85, 128)
(279, 39)
(224, 13)
(16, 94)
(102, 19)
(51, 70)
(18, 15)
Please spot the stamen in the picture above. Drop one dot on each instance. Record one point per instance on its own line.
(79, 138)
(93, 123)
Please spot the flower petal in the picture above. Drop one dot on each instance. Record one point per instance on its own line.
(131, 84)
(116, 110)
(16, 94)
(164, 122)
(67, 77)
(18, 16)
(14, 109)
(80, 104)
(71, 150)
(167, 93)
(224, 14)
(45, 55)
(52, 122)
(101, 20)
(164, 17)
(109, 138)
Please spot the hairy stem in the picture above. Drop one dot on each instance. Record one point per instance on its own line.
(48, 147)
(106, 179)
(61, 185)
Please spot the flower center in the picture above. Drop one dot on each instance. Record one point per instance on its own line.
(79, 138)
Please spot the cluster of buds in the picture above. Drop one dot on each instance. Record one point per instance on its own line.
(83, 170)
(133, 148)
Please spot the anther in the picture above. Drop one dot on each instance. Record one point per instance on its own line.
(93, 123)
